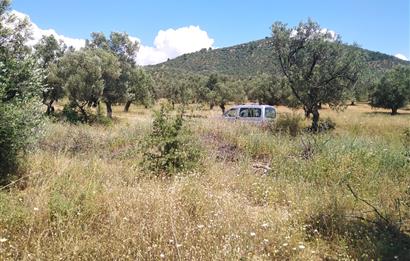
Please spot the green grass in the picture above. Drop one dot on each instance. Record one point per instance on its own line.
(86, 196)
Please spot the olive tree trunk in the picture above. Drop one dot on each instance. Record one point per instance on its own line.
(394, 111)
(127, 106)
(82, 110)
(109, 109)
(222, 106)
(50, 107)
(315, 119)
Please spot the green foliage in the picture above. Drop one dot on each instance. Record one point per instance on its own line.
(319, 69)
(140, 88)
(290, 123)
(326, 124)
(48, 51)
(219, 90)
(20, 84)
(117, 82)
(19, 128)
(179, 91)
(406, 142)
(253, 58)
(118, 43)
(169, 148)
(393, 90)
(71, 114)
(85, 73)
(270, 90)
(114, 90)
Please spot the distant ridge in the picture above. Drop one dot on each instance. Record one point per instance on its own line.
(249, 59)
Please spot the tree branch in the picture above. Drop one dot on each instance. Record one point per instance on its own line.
(368, 203)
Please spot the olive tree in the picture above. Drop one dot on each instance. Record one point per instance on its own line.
(140, 88)
(110, 73)
(125, 50)
(318, 67)
(48, 51)
(393, 90)
(20, 85)
(219, 90)
(268, 89)
(81, 71)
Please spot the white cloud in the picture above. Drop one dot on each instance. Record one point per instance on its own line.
(401, 56)
(37, 33)
(168, 43)
(330, 35)
(171, 43)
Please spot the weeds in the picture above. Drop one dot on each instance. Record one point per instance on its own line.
(289, 123)
(87, 196)
(169, 148)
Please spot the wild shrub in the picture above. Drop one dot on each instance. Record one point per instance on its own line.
(406, 143)
(169, 148)
(70, 114)
(326, 125)
(19, 126)
(290, 123)
(374, 233)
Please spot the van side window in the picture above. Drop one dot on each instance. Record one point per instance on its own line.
(270, 112)
(231, 113)
(250, 112)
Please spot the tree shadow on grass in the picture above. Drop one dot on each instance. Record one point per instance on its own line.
(366, 239)
(402, 113)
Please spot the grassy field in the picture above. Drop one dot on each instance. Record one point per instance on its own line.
(256, 195)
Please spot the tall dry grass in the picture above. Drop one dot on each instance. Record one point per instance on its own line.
(255, 195)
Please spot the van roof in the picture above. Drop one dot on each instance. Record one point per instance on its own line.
(252, 106)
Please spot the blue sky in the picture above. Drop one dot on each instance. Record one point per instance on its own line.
(374, 24)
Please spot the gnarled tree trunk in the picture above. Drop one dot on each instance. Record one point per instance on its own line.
(50, 107)
(315, 119)
(394, 111)
(109, 109)
(127, 106)
(82, 110)
(222, 106)
(307, 112)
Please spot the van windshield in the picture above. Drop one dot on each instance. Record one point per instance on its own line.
(230, 113)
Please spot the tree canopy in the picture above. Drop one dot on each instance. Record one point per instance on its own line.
(125, 49)
(20, 85)
(393, 90)
(318, 68)
(48, 51)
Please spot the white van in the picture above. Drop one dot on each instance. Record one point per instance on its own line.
(251, 112)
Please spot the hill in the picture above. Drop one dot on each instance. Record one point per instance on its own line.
(249, 59)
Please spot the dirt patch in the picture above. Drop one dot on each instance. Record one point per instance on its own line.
(225, 151)
(228, 152)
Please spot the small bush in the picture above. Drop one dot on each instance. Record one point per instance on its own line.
(19, 126)
(326, 125)
(290, 123)
(70, 114)
(406, 142)
(169, 148)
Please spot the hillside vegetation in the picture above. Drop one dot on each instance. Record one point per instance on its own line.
(250, 59)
